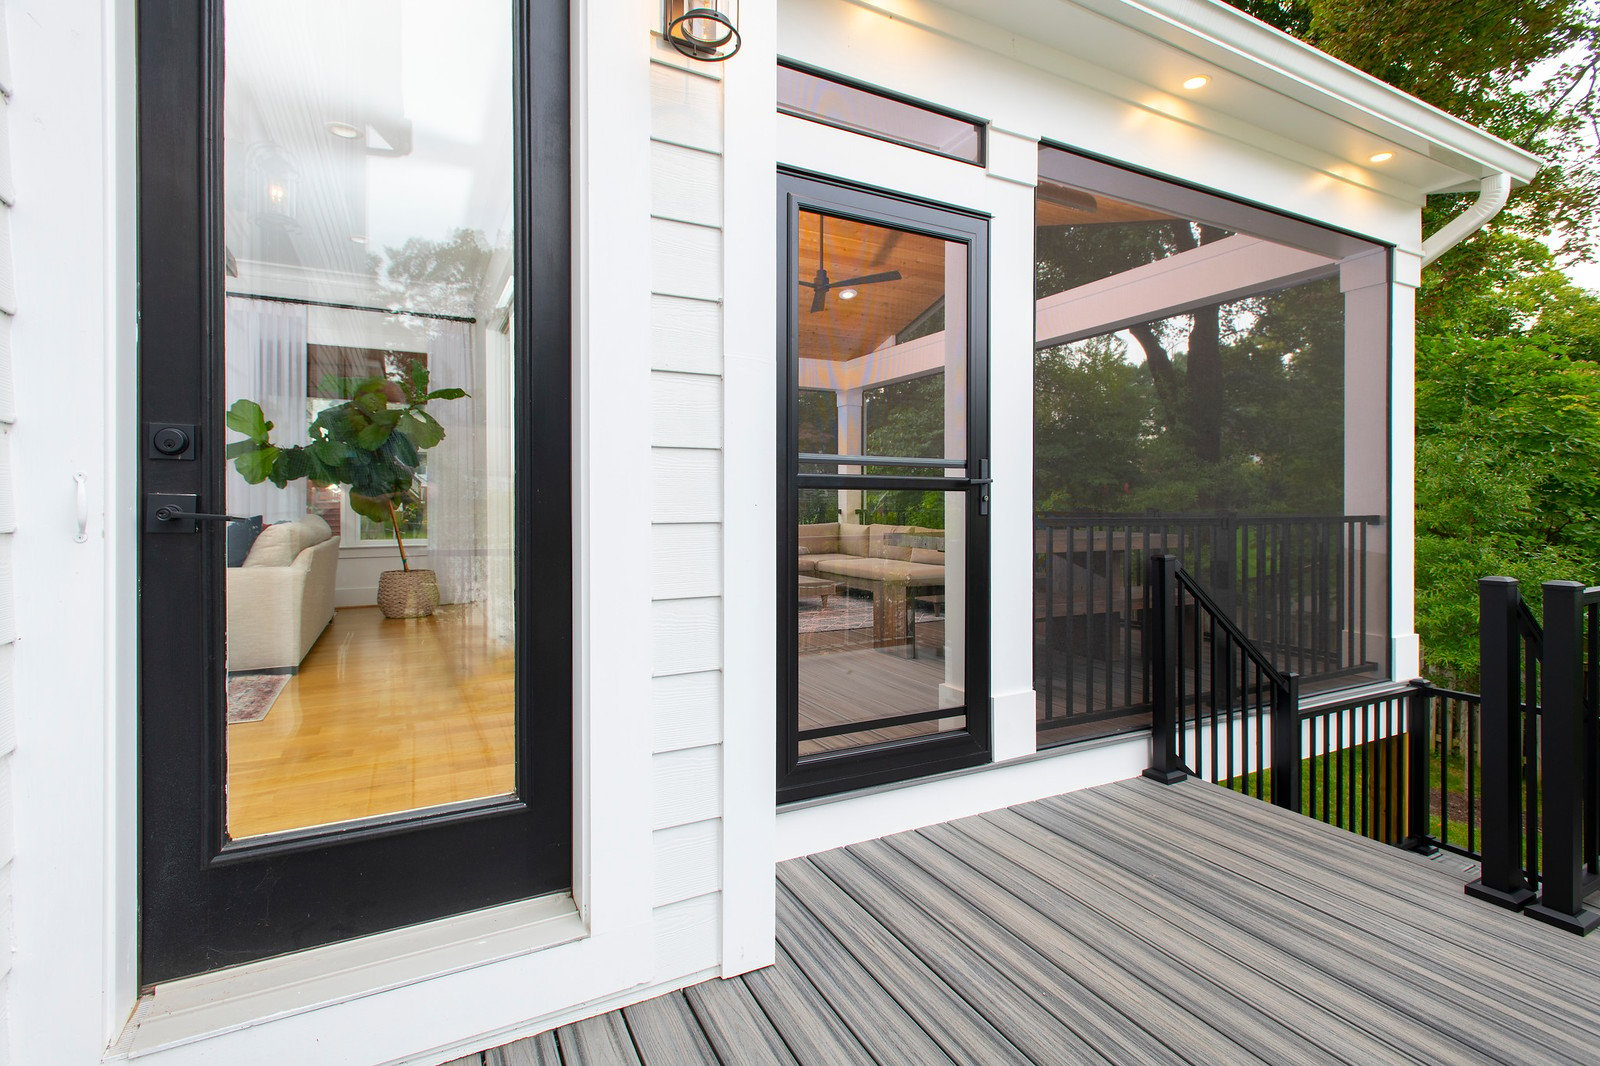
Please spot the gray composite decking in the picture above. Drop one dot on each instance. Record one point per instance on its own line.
(1133, 923)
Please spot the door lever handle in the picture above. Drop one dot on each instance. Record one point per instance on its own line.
(171, 513)
(178, 512)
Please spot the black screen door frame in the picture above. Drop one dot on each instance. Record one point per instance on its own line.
(805, 777)
(207, 902)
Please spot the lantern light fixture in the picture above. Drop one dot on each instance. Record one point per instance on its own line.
(707, 30)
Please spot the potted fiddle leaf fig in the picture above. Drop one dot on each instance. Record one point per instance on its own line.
(367, 444)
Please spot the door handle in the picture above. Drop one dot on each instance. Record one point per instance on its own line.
(175, 512)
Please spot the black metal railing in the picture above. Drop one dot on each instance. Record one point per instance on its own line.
(1541, 719)
(1511, 776)
(1298, 586)
(1212, 690)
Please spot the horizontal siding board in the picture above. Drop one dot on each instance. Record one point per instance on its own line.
(685, 260)
(8, 699)
(688, 936)
(688, 860)
(8, 507)
(8, 388)
(685, 636)
(685, 335)
(8, 617)
(685, 184)
(685, 561)
(687, 410)
(8, 189)
(8, 838)
(685, 109)
(687, 710)
(686, 485)
(688, 786)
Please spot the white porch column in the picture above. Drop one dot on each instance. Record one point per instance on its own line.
(1364, 281)
(852, 440)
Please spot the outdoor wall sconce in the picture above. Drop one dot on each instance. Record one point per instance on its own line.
(707, 30)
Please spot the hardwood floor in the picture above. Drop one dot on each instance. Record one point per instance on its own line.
(386, 715)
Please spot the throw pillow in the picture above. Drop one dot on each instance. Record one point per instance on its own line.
(240, 537)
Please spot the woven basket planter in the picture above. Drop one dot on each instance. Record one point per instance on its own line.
(407, 593)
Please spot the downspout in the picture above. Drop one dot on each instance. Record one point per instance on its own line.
(1492, 194)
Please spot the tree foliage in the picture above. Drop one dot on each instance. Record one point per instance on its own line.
(1508, 390)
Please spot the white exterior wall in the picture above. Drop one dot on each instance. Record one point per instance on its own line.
(675, 466)
(8, 526)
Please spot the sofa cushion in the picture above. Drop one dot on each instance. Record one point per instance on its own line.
(854, 539)
(282, 542)
(890, 570)
(819, 538)
(276, 546)
(879, 538)
(927, 555)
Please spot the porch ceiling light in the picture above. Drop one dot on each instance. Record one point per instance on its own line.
(343, 130)
(1199, 81)
(707, 30)
(849, 294)
(1380, 157)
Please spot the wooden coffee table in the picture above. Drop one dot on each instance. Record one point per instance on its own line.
(814, 587)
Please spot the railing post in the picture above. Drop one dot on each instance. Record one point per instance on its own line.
(1286, 743)
(1419, 739)
(1501, 880)
(1563, 749)
(1161, 661)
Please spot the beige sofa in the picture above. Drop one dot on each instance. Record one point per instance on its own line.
(281, 599)
(893, 563)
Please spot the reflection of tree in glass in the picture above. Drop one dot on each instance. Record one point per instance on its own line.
(905, 418)
(438, 277)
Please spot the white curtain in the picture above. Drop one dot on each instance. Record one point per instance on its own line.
(455, 468)
(265, 353)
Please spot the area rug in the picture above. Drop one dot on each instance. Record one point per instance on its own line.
(250, 696)
(846, 612)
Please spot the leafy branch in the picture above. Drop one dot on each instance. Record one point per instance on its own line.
(365, 442)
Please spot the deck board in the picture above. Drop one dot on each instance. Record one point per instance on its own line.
(1133, 923)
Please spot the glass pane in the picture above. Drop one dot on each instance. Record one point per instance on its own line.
(883, 349)
(821, 99)
(368, 182)
(879, 615)
(1195, 379)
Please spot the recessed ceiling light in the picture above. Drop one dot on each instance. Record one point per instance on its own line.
(848, 294)
(1199, 81)
(1381, 157)
(358, 238)
(344, 129)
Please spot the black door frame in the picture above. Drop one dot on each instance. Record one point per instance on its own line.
(828, 773)
(207, 902)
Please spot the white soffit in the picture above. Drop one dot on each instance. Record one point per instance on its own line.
(1259, 76)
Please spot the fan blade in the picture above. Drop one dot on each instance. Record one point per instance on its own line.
(867, 279)
(808, 284)
(820, 299)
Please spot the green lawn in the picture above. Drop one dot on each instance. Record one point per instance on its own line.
(1340, 779)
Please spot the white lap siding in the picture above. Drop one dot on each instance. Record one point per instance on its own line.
(686, 273)
(8, 525)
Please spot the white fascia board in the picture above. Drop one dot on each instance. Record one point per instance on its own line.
(1214, 30)
(1223, 39)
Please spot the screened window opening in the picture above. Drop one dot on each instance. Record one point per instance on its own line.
(1210, 382)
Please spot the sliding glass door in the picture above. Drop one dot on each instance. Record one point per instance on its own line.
(882, 568)
(356, 692)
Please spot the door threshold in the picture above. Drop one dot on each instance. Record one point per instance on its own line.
(207, 1005)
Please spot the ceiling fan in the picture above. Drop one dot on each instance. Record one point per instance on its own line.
(821, 284)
